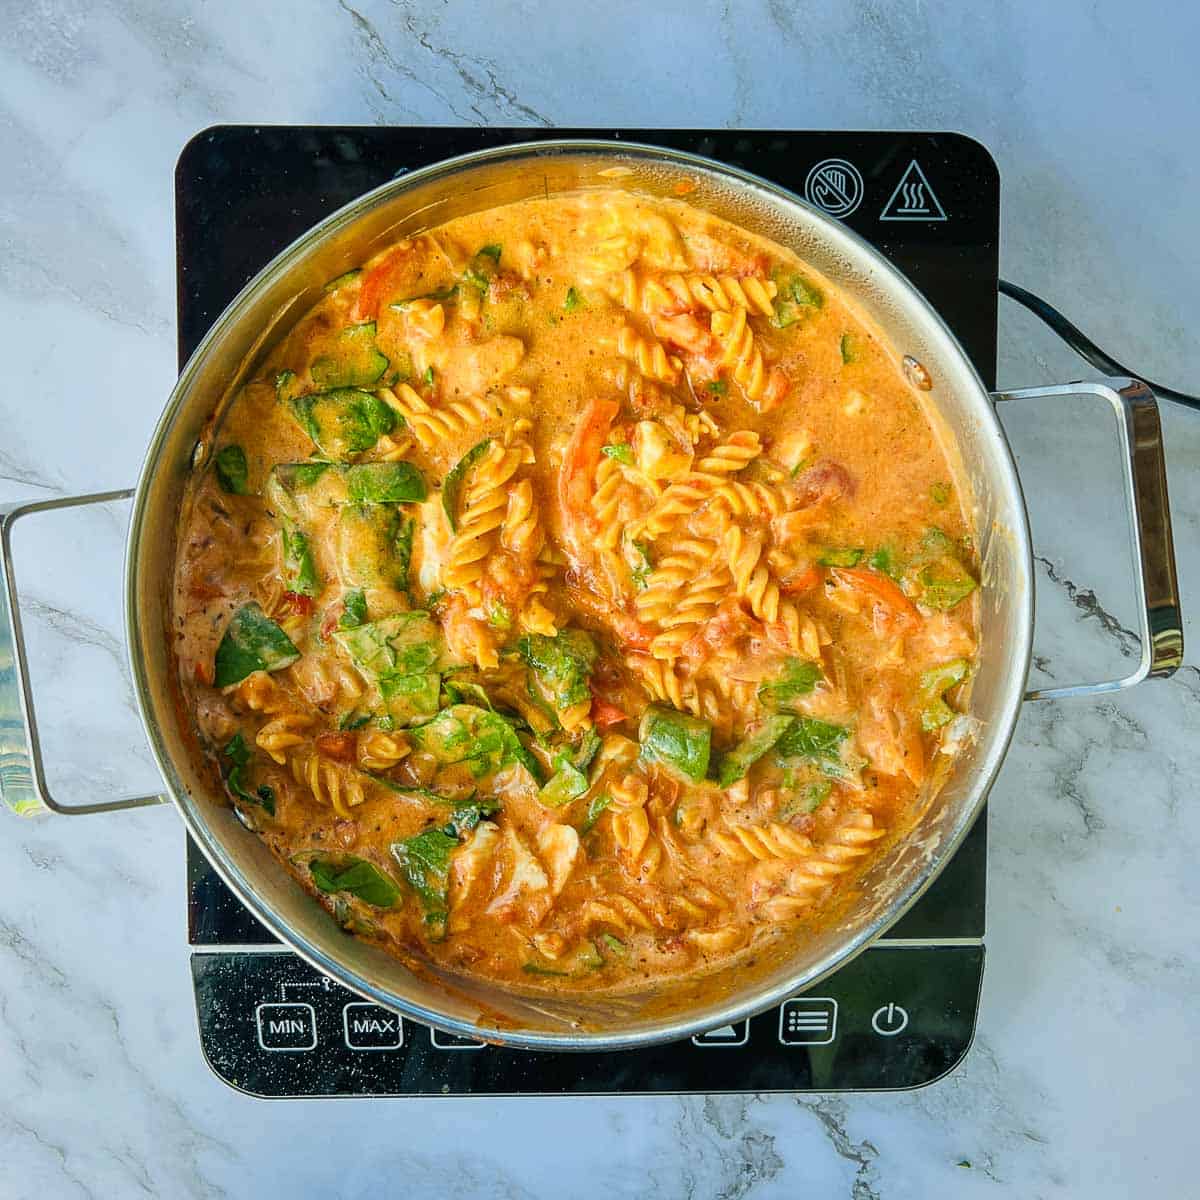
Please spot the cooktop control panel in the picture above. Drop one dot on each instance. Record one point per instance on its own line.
(901, 1014)
(896, 1017)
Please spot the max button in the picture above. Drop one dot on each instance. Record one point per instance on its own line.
(889, 1020)
(369, 1027)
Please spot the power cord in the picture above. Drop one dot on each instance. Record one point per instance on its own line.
(1086, 348)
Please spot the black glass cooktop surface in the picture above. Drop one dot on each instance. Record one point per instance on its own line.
(899, 1016)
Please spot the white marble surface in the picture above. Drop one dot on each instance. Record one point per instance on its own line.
(1082, 1081)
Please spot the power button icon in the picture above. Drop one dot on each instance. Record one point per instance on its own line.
(889, 1020)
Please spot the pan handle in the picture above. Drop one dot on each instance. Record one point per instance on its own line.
(1153, 548)
(23, 784)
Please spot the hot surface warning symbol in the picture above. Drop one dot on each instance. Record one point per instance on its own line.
(913, 199)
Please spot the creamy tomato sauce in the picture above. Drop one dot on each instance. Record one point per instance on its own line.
(576, 594)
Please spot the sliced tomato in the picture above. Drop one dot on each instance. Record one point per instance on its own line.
(340, 747)
(381, 282)
(728, 625)
(333, 614)
(577, 476)
(688, 333)
(878, 588)
(300, 604)
(606, 714)
(802, 581)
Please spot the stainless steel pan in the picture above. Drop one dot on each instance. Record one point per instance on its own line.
(283, 291)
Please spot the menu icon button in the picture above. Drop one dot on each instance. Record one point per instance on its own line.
(808, 1021)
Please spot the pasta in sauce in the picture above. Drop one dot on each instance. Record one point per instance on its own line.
(577, 593)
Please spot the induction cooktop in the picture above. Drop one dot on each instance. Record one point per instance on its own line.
(900, 1015)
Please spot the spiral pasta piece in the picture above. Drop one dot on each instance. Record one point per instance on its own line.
(535, 616)
(617, 912)
(486, 511)
(639, 851)
(660, 680)
(450, 422)
(753, 501)
(477, 527)
(810, 878)
(393, 448)
(606, 501)
(628, 793)
(852, 839)
(762, 842)
(680, 500)
(282, 734)
(751, 576)
(695, 604)
(258, 692)
(521, 532)
(800, 632)
(741, 353)
(727, 292)
(718, 941)
(648, 355)
(328, 783)
(715, 293)
(671, 575)
(731, 455)
(500, 462)
(730, 696)
(698, 902)
(576, 716)
(695, 489)
(380, 751)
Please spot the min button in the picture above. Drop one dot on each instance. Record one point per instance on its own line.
(286, 1026)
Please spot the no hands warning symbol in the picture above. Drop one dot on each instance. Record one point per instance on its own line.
(913, 199)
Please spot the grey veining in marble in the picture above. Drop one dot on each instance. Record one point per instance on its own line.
(1082, 1081)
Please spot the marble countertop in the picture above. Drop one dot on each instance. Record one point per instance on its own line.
(1082, 1079)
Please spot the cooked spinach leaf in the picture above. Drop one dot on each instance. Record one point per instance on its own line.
(811, 738)
(406, 643)
(751, 748)
(299, 571)
(251, 642)
(411, 698)
(384, 483)
(354, 610)
(343, 422)
(561, 663)
(798, 679)
(230, 466)
(238, 754)
(676, 741)
(353, 360)
(452, 487)
(355, 877)
(484, 740)
(425, 862)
